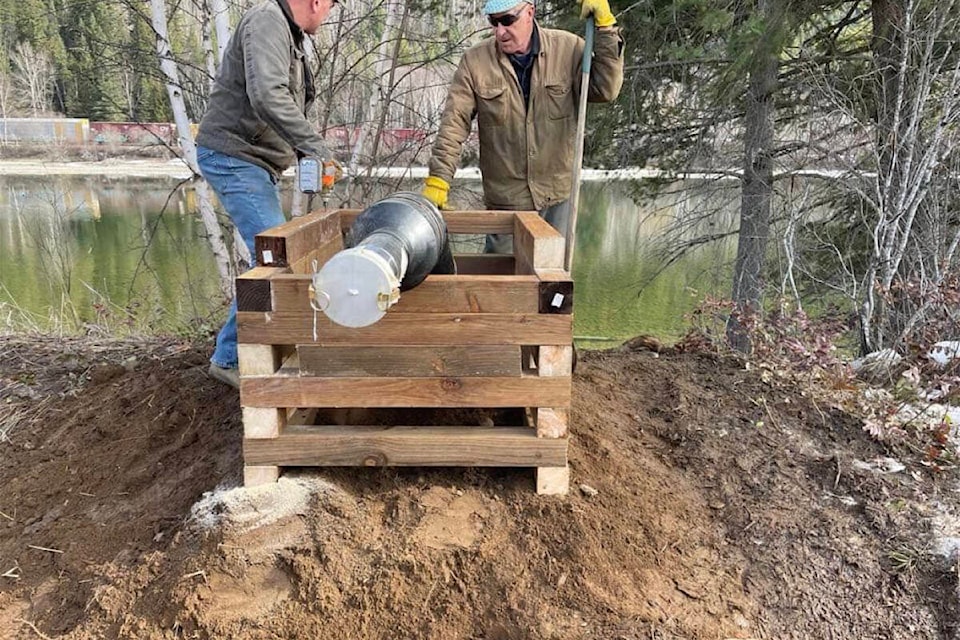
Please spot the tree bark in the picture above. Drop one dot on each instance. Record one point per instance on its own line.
(395, 9)
(221, 26)
(187, 146)
(757, 184)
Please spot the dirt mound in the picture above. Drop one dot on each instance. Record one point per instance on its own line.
(706, 504)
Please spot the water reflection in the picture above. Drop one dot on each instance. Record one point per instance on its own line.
(88, 248)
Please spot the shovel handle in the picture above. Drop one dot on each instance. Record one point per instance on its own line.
(578, 150)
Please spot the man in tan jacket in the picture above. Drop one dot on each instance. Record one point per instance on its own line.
(523, 86)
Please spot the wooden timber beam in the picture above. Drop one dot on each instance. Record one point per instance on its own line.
(410, 362)
(407, 446)
(293, 241)
(536, 244)
(407, 328)
(294, 391)
(457, 221)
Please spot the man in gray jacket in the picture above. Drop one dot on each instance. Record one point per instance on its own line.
(255, 127)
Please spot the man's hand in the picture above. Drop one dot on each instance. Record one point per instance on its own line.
(602, 16)
(435, 190)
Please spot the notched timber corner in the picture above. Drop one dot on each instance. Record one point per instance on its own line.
(498, 336)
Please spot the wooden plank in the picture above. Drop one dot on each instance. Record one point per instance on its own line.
(485, 264)
(292, 241)
(254, 292)
(553, 481)
(457, 221)
(292, 391)
(536, 244)
(407, 329)
(556, 291)
(256, 475)
(301, 416)
(316, 258)
(479, 221)
(407, 446)
(471, 294)
(436, 294)
(291, 292)
(410, 362)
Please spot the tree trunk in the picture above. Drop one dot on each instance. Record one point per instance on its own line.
(221, 26)
(395, 8)
(387, 89)
(917, 109)
(886, 45)
(188, 148)
(757, 185)
(207, 46)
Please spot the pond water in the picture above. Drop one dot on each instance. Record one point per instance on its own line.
(103, 251)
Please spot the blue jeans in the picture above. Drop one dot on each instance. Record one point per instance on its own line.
(251, 197)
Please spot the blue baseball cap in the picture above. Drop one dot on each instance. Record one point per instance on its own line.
(501, 6)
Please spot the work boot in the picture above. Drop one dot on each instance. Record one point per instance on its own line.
(226, 376)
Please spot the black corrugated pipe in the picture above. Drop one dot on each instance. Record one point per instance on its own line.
(393, 245)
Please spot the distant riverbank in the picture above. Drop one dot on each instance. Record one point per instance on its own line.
(176, 168)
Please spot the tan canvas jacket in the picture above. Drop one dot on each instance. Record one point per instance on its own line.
(526, 154)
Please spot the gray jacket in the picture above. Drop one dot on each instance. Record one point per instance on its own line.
(257, 106)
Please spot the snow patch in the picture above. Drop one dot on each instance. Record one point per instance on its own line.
(946, 536)
(945, 351)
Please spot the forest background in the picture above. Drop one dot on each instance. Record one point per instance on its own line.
(861, 96)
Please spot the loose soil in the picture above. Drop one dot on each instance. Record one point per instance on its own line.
(706, 503)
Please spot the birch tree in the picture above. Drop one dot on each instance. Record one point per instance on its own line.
(34, 75)
(187, 146)
(221, 25)
(884, 236)
(917, 132)
(392, 34)
(6, 93)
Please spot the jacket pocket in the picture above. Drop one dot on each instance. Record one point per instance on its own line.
(560, 101)
(258, 133)
(491, 106)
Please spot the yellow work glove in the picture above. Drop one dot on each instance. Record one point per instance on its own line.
(602, 16)
(435, 190)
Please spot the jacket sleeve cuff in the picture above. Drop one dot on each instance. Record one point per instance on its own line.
(610, 39)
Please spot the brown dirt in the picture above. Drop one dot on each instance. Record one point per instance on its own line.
(706, 504)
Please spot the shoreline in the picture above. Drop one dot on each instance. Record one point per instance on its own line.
(177, 169)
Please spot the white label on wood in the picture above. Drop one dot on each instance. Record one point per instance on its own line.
(267, 256)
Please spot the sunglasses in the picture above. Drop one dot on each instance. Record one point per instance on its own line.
(506, 19)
